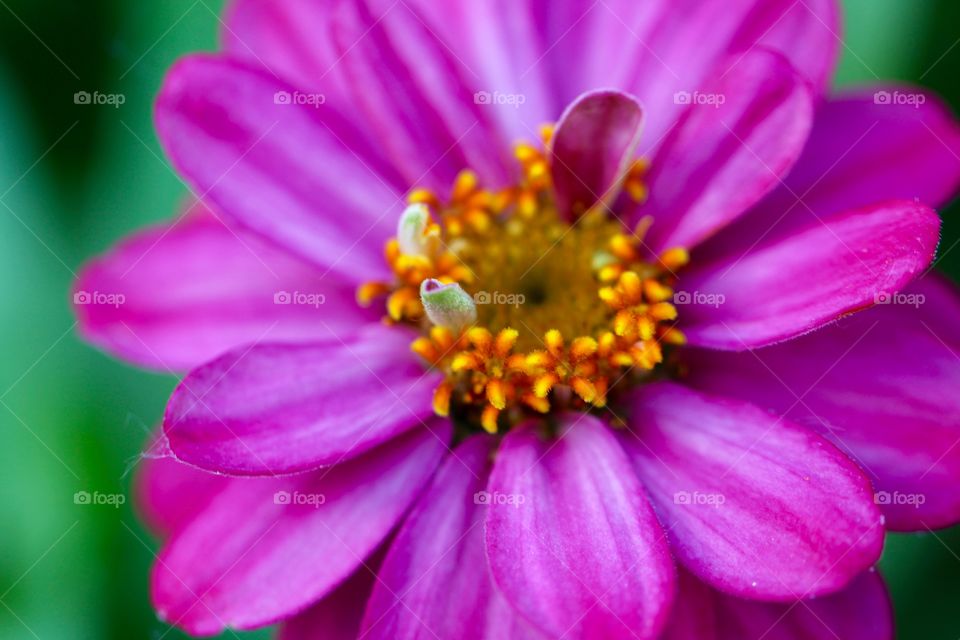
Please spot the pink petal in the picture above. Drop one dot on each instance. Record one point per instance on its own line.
(490, 41)
(435, 582)
(696, 612)
(860, 152)
(808, 33)
(338, 615)
(268, 547)
(297, 174)
(788, 286)
(540, 55)
(862, 611)
(272, 409)
(288, 38)
(754, 505)
(583, 556)
(644, 48)
(170, 493)
(195, 288)
(881, 386)
(417, 96)
(593, 147)
(503, 49)
(741, 134)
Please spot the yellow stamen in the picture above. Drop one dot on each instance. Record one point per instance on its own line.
(526, 153)
(496, 394)
(441, 399)
(554, 342)
(663, 311)
(546, 134)
(403, 302)
(622, 247)
(634, 183)
(656, 291)
(675, 258)
(480, 338)
(540, 405)
(423, 196)
(543, 384)
(674, 336)
(488, 419)
(369, 291)
(584, 389)
(610, 273)
(424, 348)
(465, 361)
(631, 286)
(583, 347)
(506, 339)
(538, 360)
(464, 185)
(442, 337)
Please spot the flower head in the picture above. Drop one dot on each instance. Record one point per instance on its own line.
(538, 388)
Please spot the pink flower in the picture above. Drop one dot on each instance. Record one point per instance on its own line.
(614, 368)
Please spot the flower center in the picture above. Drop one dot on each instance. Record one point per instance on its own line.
(522, 311)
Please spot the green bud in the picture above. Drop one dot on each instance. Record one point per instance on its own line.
(447, 305)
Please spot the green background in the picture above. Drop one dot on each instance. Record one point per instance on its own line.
(74, 179)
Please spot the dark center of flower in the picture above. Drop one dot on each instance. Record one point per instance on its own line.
(522, 311)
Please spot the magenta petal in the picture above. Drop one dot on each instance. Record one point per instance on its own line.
(861, 611)
(417, 96)
(288, 38)
(268, 547)
(860, 152)
(295, 173)
(592, 149)
(789, 286)
(435, 582)
(271, 409)
(338, 615)
(696, 611)
(739, 137)
(170, 493)
(645, 48)
(881, 385)
(754, 505)
(583, 555)
(194, 289)
(877, 151)
(808, 33)
(502, 45)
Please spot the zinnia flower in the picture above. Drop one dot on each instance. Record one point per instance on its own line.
(464, 386)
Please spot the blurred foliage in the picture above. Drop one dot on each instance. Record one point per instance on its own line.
(75, 178)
